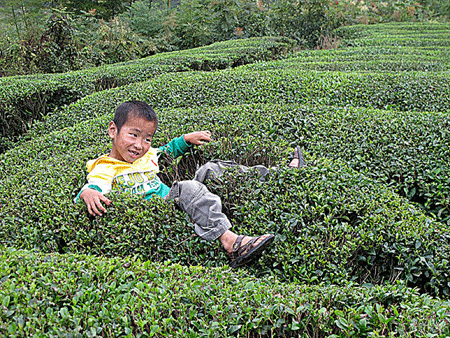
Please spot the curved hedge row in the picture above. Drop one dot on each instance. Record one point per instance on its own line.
(421, 40)
(375, 59)
(332, 223)
(407, 150)
(372, 53)
(86, 295)
(383, 65)
(24, 99)
(403, 91)
(225, 54)
(396, 34)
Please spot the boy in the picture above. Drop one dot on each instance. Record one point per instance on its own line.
(132, 165)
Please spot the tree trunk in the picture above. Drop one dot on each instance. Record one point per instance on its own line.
(15, 21)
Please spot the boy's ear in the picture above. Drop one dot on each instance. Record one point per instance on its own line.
(112, 130)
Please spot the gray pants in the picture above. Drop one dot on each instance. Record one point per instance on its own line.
(204, 207)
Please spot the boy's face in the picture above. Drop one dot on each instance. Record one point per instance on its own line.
(133, 140)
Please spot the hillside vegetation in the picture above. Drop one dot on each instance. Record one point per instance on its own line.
(362, 233)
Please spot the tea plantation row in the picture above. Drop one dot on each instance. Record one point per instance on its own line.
(394, 47)
(365, 59)
(29, 98)
(403, 91)
(25, 99)
(332, 223)
(61, 295)
(385, 145)
(431, 35)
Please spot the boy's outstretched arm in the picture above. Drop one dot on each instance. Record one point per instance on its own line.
(180, 145)
(198, 138)
(93, 200)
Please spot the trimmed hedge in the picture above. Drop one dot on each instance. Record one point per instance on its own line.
(392, 47)
(423, 40)
(25, 99)
(404, 91)
(365, 59)
(396, 34)
(383, 65)
(419, 177)
(333, 224)
(29, 105)
(88, 296)
(225, 54)
(407, 150)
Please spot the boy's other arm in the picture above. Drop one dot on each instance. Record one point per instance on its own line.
(93, 200)
(198, 138)
(180, 145)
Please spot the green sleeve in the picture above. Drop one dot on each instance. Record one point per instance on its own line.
(92, 186)
(177, 147)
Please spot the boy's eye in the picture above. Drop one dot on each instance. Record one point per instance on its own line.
(133, 134)
(149, 140)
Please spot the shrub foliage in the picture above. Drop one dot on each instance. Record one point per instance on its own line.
(86, 295)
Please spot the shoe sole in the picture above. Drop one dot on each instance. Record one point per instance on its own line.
(253, 254)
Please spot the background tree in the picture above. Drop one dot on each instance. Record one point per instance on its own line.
(25, 15)
(102, 9)
(86, 33)
(194, 24)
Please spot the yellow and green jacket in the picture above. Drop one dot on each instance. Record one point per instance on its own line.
(107, 173)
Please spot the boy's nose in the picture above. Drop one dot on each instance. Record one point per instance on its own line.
(138, 144)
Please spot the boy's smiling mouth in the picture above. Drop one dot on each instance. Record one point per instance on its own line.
(134, 153)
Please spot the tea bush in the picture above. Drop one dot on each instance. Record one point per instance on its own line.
(407, 150)
(424, 34)
(382, 144)
(87, 295)
(365, 59)
(383, 65)
(424, 179)
(332, 223)
(430, 41)
(403, 91)
(376, 42)
(394, 47)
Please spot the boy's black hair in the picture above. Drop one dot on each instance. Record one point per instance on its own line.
(134, 108)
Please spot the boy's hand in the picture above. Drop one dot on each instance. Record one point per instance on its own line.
(198, 137)
(93, 199)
